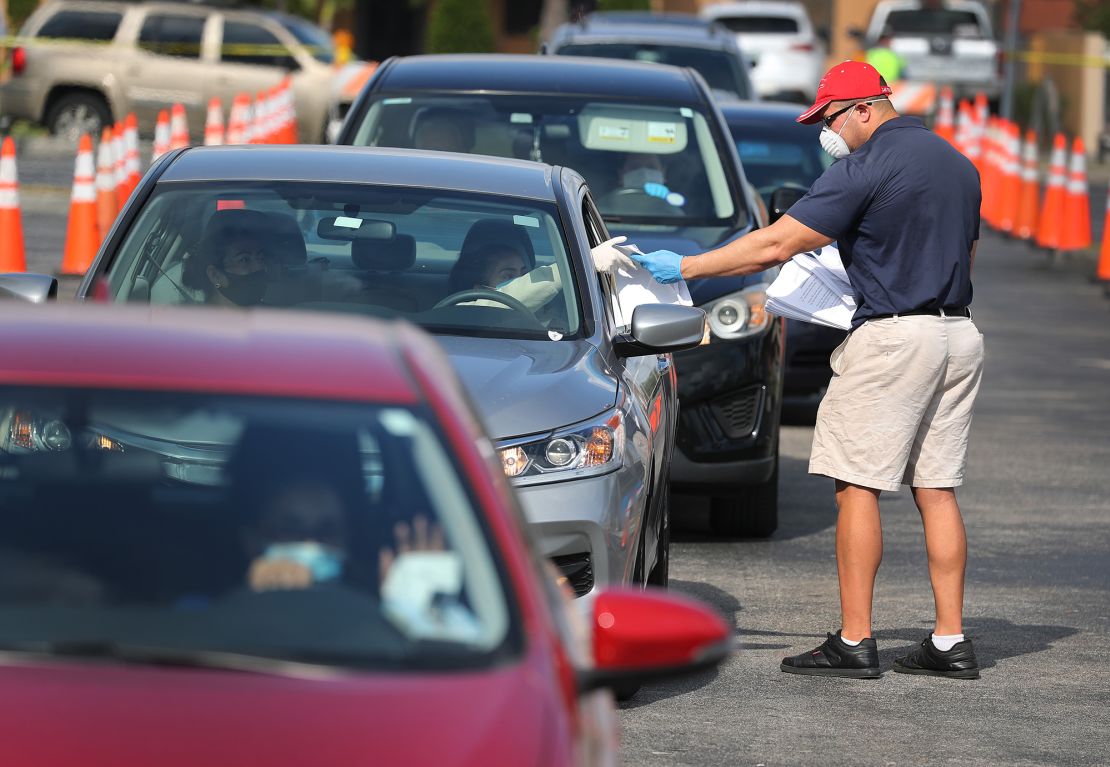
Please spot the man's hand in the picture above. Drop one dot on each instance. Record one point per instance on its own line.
(664, 265)
(420, 537)
(607, 257)
(278, 575)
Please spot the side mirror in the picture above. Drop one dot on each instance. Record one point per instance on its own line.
(644, 635)
(36, 288)
(782, 199)
(662, 328)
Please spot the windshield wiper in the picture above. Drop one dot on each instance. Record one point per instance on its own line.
(170, 657)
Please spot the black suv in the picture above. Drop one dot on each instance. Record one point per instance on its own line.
(657, 154)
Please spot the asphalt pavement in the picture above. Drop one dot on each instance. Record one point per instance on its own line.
(1036, 504)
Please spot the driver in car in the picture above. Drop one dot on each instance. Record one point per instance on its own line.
(642, 174)
(502, 268)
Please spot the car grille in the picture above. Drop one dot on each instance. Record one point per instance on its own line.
(578, 569)
(738, 412)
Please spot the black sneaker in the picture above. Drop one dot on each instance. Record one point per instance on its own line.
(957, 663)
(837, 658)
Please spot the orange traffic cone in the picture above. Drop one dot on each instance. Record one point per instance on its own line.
(945, 127)
(161, 136)
(1026, 223)
(260, 134)
(81, 234)
(289, 112)
(13, 258)
(1010, 196)
(238, 119)
(1076, 233)
(214, 124)
(119, 165)
(107, 206)
(179, 127)
(1051, 220)
(989, 175)
(132, 164)
(981, 113)
(1103, 272)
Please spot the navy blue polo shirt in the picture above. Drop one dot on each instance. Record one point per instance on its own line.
(904, 209)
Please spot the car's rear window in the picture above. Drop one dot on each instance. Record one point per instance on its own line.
(760, 25)
(177, 524)
(935, 22)
(81, 25)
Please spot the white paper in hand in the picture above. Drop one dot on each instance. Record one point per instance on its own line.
(633, 283)
(814, 287)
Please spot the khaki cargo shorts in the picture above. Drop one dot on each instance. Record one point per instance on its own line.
(898, 407)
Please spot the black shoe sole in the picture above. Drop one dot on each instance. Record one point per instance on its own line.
(971, 673)
(847, 673)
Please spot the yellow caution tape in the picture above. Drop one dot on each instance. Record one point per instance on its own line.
(168, 49)
(1062, 59)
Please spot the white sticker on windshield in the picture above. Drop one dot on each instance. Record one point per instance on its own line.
(526, 221)
(398, 100)
(347, 222)
(662, 133)
(520, 118)
(614, 132)
(555, 335)
(686, 112)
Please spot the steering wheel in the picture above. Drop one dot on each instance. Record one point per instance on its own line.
(477, 294)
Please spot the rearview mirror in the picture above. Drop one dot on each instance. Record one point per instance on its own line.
(661, 328)
(353, 228)
(36, 288)
(644, 635)
(782, 199)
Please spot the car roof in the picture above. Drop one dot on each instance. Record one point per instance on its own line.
(705, 35)
(365, 165)
(643, 17)
(564, 75)
(761, 110)
(258, 352)
(756, 8)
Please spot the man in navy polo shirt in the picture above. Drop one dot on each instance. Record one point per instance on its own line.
(904, 207)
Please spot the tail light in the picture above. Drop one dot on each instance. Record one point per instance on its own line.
(19, 60)
(804, 47)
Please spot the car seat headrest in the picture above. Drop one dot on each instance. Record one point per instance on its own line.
(286, 241)
(394, 255)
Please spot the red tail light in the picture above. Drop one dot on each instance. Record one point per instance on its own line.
(805, 47)
(19, 60)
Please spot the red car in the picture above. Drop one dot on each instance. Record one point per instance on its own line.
(281, 539)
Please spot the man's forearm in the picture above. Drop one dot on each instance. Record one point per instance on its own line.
(754, 252)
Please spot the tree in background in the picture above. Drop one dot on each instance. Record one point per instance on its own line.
(460, 26)
(1094, 15)
(624, 5)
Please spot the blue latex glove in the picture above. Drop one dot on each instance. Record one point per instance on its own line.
(664, 265)
(656, 190)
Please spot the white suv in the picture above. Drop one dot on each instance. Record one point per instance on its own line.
(787, 54)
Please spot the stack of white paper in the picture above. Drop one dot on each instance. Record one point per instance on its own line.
(813, 287)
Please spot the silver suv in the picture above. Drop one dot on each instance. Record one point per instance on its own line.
(85, 64)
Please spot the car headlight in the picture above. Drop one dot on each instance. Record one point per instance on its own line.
(577, 451)
(739, 315)
(28, 432)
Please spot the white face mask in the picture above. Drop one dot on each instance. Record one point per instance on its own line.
(834, 143)
(635, 179)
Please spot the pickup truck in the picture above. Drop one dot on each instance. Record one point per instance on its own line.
(942, 43)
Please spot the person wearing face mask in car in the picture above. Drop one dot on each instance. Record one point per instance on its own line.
(642, 188)
(904, 207)
(228, 265)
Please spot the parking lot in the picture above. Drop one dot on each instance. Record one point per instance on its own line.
(1038, 582)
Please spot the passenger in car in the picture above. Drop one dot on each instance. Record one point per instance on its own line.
(439, 130)
(228, 264)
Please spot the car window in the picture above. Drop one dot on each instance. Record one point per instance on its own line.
(81, 25)
(168, 35)
(757, 25)
(245, 43)
(316, 40)
(774, 158)
(934, 22)
(646, 164)
(332, 533)
(721, 70)
(455, 263)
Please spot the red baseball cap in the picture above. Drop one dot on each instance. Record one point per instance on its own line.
(844, 82)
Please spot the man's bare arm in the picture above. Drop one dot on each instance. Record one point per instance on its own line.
(757, 251)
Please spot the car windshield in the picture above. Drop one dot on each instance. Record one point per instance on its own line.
(658, 165)
(316, 40)
(934, 22)
(454, 263)
(721, 70)
(177, 525)
(773, 157)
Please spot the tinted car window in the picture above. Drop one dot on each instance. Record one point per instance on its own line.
(455, 263)
(274, 528)
(82, 25)
(317, 41)
(773, 25)
(775, 157)
(646, 164)
(172, 35)
(934, 22)
(242, 41)
(720, 69)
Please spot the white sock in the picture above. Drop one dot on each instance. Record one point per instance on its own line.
(850, 642)
(947, 642)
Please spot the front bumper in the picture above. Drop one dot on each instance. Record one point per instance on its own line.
(731, 397)
(587, 526)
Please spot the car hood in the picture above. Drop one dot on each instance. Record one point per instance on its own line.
(65, 714)
(681, 242)
(529, 387)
